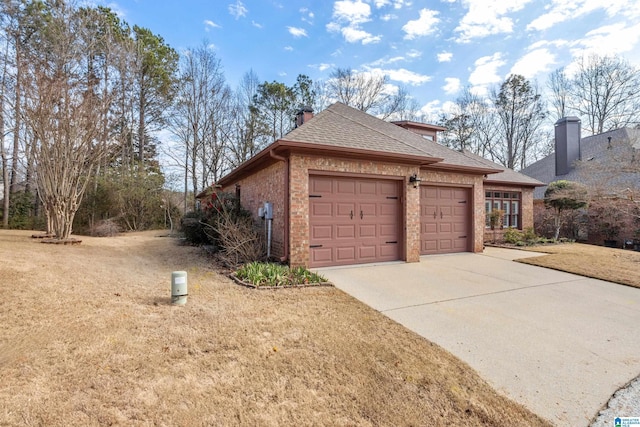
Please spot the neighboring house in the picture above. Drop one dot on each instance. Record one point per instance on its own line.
(349, 188)
(595, 161)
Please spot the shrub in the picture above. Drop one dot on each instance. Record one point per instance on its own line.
(513, 236)
(277, 275)
(192, 225)
(105, 228)
(237, 237)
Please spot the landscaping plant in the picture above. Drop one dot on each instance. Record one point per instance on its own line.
(277, 275)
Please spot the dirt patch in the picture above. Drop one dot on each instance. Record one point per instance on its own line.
(614, 265)
(89, 338)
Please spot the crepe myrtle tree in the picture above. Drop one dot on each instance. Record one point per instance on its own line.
(64, 108)
(563, 196)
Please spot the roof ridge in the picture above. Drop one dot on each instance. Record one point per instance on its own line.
(377, 130)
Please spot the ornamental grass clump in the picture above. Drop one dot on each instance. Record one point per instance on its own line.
(277, 275)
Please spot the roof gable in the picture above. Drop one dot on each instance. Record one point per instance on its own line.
(345, 131)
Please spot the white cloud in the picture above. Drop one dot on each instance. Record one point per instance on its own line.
(353, 12)
(256, 24)
(486, 72)
(288, 48)
(431, 110)
(399, 4)
(535, 62)
(354, 35)
(381, 3)
(445, 56)
(413, 53)
(388, 17)
(210, 24)
(238, 10)
(487, 17)
(609, 40)
(562, 10)
(385, 61)
(321, 67)
(452, 85)
(297, 32)
(402, 75)
(423, 26)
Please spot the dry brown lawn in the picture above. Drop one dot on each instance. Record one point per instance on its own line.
(88, 337)
(614, 265)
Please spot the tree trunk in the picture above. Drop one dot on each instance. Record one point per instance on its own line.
(17, 121)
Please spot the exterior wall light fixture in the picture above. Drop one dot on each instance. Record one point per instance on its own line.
(415, 180)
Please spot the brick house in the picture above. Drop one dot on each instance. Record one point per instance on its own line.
(349, 188)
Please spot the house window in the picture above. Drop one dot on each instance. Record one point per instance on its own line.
(508, 202)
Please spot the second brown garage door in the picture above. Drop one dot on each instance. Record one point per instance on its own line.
(445, 220)
(354, 220)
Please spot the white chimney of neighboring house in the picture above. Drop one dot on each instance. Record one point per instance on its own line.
(567, 133)
(303, 116)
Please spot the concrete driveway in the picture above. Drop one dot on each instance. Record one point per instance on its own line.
(558, 343)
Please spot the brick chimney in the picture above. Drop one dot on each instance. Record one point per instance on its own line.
(303, 116)
(567, 133)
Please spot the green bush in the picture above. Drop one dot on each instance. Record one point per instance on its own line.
(193, 227)
(513, 236)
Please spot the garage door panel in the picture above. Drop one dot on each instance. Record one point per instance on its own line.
(345, 254)
(345, 188)
(345, 209)
(444, 220)
(321, 232)
(351, 219)
(388, 231)
(367, 189)
(322, 209)
(388, 250)
(321, 185)
(388, 209)
(367, 230)
(345, 231)
(321, 255)
(367, 252)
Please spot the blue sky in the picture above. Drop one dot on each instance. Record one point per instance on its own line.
(433, 48)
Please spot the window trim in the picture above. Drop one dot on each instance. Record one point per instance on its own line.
(496, 199)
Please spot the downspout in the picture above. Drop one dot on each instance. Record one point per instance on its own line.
(273, 155)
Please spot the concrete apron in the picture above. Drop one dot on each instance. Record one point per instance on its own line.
(558, 343)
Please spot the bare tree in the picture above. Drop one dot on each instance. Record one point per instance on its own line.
(604, 93)
(560, 87)
(364, 91)
(200, 120)
(471, 125)
(63, 110)
(520, 114)
(249, 132)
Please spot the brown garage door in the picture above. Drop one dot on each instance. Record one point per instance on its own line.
(445, 219)
(354, 220)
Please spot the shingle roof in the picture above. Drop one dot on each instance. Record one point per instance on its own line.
(591, 147)
(346, 127)
(507, 176)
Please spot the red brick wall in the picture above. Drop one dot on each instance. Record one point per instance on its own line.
(302, 165)
(266, 185)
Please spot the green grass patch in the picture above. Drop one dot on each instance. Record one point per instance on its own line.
(277, 275)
